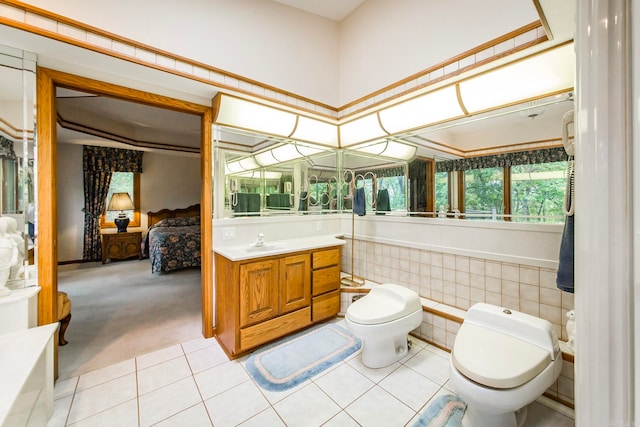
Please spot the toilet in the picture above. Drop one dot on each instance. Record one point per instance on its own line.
(501, 361)
(382, 320)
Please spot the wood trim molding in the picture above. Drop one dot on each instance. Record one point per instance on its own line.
(47, 80)
(206, 223)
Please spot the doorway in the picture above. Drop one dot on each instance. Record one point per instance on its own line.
(47, 83)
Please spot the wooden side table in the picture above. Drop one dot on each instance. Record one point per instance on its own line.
(121, 245)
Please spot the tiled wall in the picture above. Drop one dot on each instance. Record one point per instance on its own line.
(460, 281)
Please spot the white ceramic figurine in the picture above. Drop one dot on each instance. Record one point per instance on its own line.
(571, 329)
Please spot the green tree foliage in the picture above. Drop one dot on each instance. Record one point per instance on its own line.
(483, 190)
(538, 190)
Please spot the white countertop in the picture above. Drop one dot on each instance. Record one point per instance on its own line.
(20, 294)
(277, 247)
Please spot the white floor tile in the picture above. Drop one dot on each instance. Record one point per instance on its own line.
(108, 373)
(196, 416)
(198, 344)
(540, 415)
(206, 358)
(220, 378)
(307, 407)
(268, 417)
(431, 365)
(409, 387)
(162, 374)
(60, 412)
(102, 397)
(65, 388)
(167, 401)
(123, 415)
(375, 375)
(236, 405)
(344, 384)
(378, 408)
(159, 356)
(342, 419)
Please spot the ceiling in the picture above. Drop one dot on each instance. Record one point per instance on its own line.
(336, 10)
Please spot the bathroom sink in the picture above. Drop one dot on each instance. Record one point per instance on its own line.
(264, 248)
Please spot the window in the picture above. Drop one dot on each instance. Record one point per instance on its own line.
(442, 191)
(123, 182)
(483, 192)
(538, 191)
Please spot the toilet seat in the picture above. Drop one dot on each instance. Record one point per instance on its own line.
(495, 359)
(384, 303)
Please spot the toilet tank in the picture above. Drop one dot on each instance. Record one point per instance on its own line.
(531, 329)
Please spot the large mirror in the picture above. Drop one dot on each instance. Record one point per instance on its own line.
(506, 164)
(17, 167)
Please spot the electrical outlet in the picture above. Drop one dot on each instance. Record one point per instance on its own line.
(228, 233)
(319, 226)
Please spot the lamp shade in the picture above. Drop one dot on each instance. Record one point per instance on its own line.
(120, 202)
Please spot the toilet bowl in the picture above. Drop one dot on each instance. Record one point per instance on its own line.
(501, 361)
(382, 320)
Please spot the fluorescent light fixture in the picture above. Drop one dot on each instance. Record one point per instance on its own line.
(248, 115)
(285, 153)
(248, 163)
(260, 174)
(421, 111)
(388, 148)
(549, 72)
(317, 131)
(359, 130)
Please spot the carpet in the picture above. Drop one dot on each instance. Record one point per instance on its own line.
(445, 411)
(291, 361)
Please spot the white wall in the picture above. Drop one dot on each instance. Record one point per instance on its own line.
(410, 36)
(167, 181)
(229, 35)
(530, 244)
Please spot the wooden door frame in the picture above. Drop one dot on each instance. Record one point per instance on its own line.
(46, 82)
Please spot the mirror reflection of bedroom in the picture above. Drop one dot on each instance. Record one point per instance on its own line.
(129, 187)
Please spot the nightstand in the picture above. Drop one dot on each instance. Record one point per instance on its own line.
(121, 245)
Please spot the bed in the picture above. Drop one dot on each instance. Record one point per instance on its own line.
(173, 239)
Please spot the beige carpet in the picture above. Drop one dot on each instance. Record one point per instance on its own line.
(121, 310)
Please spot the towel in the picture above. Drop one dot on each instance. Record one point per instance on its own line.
(382, 202)
(247, 202)
(359, 202)
(564, 278)
(303, 206)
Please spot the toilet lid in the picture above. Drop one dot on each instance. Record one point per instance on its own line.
(373, 310)
(494, 359)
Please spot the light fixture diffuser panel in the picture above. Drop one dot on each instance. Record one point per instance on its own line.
(248, 115)
(363, 129)
(432, 107)
(317, 131)
(543, 74)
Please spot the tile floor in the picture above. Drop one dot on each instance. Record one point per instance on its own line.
(194, 384)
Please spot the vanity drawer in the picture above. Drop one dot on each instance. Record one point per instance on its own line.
(325, 306)
(326, 258)
(325, 280)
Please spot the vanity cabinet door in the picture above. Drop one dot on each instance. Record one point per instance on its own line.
(258, 291)
(295, 283)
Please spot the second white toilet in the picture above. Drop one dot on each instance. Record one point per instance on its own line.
(382, 320)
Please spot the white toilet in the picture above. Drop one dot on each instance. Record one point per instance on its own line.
(382, 320)
(501, 361)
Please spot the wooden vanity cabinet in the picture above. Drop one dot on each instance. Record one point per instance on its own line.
(261, 299)
(325, 284)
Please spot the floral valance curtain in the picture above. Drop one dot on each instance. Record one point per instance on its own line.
(6, 149)
(111, 159)
(545, 155)
(98, 165)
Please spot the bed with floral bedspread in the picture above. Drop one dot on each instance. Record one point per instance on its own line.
(173, 243)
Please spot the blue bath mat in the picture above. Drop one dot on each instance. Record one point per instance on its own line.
(445, 411)
(289, 362)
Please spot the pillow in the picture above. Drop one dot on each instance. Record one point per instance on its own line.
(178, 222)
